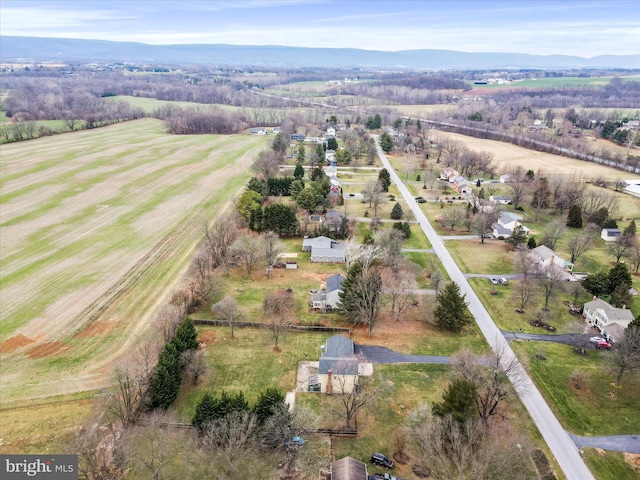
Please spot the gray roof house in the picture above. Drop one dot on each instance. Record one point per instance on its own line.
(611, 321)
(328, 297)
(338, 366)
(548, 259)
(324, 249)
(507, 222)
(348, 468)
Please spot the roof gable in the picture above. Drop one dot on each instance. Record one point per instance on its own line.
(334, 282)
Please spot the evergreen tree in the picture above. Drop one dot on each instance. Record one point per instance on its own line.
(619, 275)
(386, 142)
(384, 177)
(396, 212)
(332, 144)
(298, 172)
(281, 219)
(574, 220)
(256, 185)
(531, 243)
(597, 284)
(185, 337)
(630, 230)
(458, 400)
(451, 311)
(621, 296)
(518, 236)
(268, 400)
(301, 154)
(165, 381)
(377, 121)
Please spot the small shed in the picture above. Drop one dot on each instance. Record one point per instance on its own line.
(348, 468)
(610, 234)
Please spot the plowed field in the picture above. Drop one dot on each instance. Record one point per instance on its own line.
(96, 229)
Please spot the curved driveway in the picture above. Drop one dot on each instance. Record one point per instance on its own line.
(559, 441)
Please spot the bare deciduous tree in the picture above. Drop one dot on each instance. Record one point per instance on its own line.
(553, 233)
(194, 365)
(267, 164)
(390, 243)
(219, 238)
(272, 248)
(400, 286)
(492, 376)
(579, 244)
(278, 308)
(247, 250)
(452, 216)
(626, 354)
(227, 311)
(356, 252)
(482, 224)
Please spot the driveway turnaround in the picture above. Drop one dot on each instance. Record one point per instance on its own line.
(559, 442)
(384, 355)
(617, 443)
(575, 339)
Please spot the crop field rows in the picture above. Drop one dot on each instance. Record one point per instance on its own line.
(97, 228)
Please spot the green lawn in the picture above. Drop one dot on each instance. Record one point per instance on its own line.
(607, 465)
(595, 409)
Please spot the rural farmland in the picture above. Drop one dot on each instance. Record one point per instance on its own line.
(97, 227)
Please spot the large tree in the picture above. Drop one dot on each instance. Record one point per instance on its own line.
(361, 295)
(278, 308)
(386, 142)
(451, 312)
(626, 354)
(579, 244)
(482, 224)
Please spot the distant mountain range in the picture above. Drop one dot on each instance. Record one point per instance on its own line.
(37, 49)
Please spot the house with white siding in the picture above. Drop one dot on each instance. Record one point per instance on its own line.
(611, 321)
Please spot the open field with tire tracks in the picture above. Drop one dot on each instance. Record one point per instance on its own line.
(96, 229)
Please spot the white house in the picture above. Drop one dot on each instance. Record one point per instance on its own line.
(633, 187)
(449, 174)
(547, 258)
(610, 234)
(338, 367)
(324, 250)
(462, 185)
(331, 132)
(257, 131)
(611, 321)
(328, 297)
(506, 178)
(500, 199)
(506, 224)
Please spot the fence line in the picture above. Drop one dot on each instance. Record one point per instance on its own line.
(303, 328)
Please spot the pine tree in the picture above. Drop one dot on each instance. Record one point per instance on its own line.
(396, 212)
(386, 142)
(298, 172)
(458, 400)
(384, 177)
(630, 230)
(574, 220)
(451, 311)
(268, 400)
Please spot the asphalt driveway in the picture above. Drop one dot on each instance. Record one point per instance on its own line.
(384, 355)
(574, 339)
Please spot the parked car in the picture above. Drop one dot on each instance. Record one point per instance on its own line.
(503, 281)
(295, 442)
(597, 339)
(380, 459)
(384, 476)
(494, 281)
(604, 344)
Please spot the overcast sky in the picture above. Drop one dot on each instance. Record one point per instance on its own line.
(569, 27)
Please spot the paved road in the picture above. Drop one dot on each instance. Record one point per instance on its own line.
(617, 443)
(373, 354)
(557, 439)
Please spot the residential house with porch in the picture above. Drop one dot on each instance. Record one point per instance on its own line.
(506, 224)
(611, 321)
(328, 298)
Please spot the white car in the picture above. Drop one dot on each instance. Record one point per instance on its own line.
(597, 339)
(503, 281)
(494, 281)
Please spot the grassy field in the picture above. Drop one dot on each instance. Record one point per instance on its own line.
(554, 82)
(97, 228)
